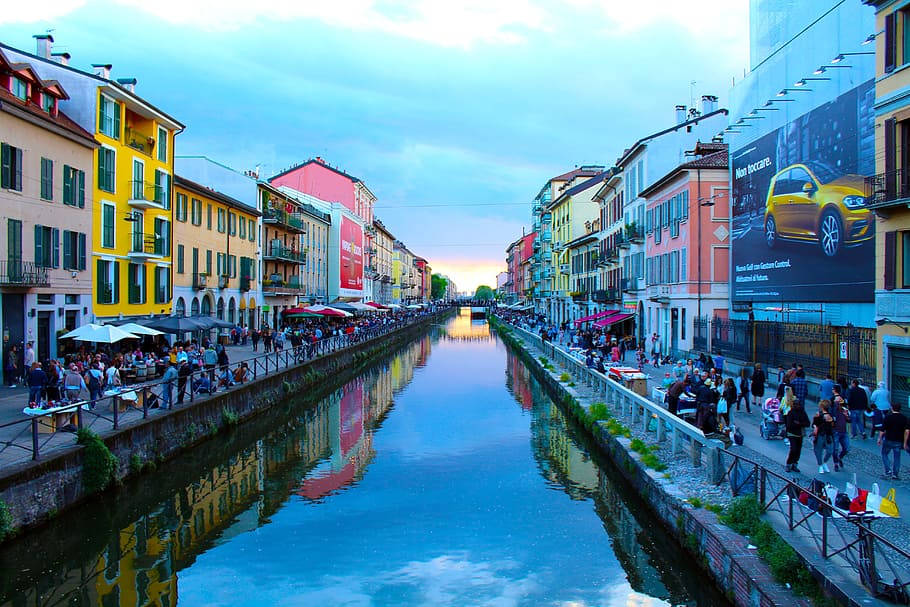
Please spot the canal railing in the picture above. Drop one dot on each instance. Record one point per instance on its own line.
(839, 537)
(640, 410)
(33, 436)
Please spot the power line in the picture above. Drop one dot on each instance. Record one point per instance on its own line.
(381, 206)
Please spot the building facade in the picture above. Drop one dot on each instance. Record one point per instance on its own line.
(216, 266)
(46, 212)
(889, 197)
(384, 243)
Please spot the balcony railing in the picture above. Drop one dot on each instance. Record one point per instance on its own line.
(135, 295)
(886, 189)
(136, 139)
(279, 286)
(200, 280)
(607, 295)
(277, 251)
(634, 234)
(245, 283)
(547, 235)
(292, 221)
(24, 274)
(147, 195)
(149, 245)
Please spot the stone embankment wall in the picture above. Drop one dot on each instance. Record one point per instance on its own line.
(36, 491)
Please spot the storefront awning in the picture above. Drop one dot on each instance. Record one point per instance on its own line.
(612, 320)
(597, 316)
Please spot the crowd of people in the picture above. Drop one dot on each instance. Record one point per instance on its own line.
(845, 411)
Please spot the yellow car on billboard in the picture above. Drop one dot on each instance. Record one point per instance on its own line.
(809, 202)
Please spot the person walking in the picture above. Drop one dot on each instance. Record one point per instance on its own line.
(184, 370)
(11, 368)
(826, 388)
(800, 387)
(726, 402)
(744, 390)
(796, 422)
(254, 337)
(857, 403)
(758, 386)
(841, 446)
(210, 359)
(823, 435)
(94, 380)
(29, 356)
(881, 397)
(893, 438)
(37, 380)
(73, 383)
(52, 388)
(167, 387)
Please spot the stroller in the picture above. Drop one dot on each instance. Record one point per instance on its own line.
(772, 423)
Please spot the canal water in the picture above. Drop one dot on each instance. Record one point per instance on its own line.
(442, 476)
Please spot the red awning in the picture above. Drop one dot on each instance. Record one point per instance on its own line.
(296, 311)
(603, 314)
(612, 320)
(377, 305)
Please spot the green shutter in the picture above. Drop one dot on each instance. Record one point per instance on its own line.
(99, 281)
(68, 250)
(68, 197)
(39, 246)
(116, 120)
(55, 244)
(5, 174)
(101, 115)
(143, 271)
(81, 261)
(116, 295)
(17, 170)
(80, 189)
(101, 180)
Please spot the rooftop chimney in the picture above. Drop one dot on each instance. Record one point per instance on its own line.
(127, 83)
(680, 114)
(102, 69)
(717, 139)
(708, 103)
(61, 58)
(45, 43)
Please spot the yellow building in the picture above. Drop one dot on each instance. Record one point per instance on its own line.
(889, 192)
(215, 254)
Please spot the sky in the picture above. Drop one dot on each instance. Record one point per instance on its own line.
(454, 113)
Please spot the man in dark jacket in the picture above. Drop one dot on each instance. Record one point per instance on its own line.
(800, 387)
(674, 392)
(857, 403)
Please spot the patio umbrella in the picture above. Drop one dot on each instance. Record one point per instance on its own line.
(345, 307)
(378, 306)
(217, 323)
(177, 324)
(327, 311)
(104, 334)
(135, 329)
(362, 306)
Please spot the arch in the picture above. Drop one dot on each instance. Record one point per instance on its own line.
(206, 309)
(194, 307)
(252, 303)
(180, 307)
(232, 311)
(242, 304)
(219, 311)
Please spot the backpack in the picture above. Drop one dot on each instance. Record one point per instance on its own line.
(94, 383)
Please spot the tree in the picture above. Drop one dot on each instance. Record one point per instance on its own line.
(438, 286)
(483, 293)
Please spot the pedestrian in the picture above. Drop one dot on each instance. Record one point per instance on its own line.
(52, 388)
(881, 397)
(893, 438)
(719, 363)
(796, 422)
(210, 359)
(254, 337)
(37, 380)
(858, 403)
(841, 446)
(167, 387)
(743, 389)
(73, 383)
(93, 379)
(267, 341)
(184, 370)
(674, 392)
(800, 387)
(29, 356)
(826, 388)
(823, 436)
(11, 368)
(758, 386)
(726, 402)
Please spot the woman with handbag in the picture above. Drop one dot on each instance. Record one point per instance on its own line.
(726, 402)
(796, 422)
(823, 436)
(758, 386)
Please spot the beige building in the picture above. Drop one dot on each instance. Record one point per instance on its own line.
(46, 212)
(384, 243)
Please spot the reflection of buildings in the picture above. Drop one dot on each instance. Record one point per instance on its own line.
(319, 452)
(462, 328)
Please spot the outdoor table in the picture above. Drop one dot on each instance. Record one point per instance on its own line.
(123, 399)
(54, 418)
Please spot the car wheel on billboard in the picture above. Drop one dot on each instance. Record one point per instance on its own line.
(770, 232)
(830, 234)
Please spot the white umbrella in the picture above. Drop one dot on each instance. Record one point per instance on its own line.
(414, 307)
(362, 306)
(135, 329)
(105, 334)
(318, 308)
(393, 306)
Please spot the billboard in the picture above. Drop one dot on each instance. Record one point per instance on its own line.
(351, 272)
(801, 230)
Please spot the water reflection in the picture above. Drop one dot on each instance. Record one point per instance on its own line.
(463, 328)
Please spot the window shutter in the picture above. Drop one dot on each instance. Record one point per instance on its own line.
(101, 180)
(890, 131)
(5, 175)
(81, 262)
(891, 260)
(81, 189)
(17, 174)
(116, 120)
(55, 237)
(68, 197)
(115, 298)
(143, 273)
(99, 281)
(101, 114)
(890, 46)
(39, 246)
(67, 250)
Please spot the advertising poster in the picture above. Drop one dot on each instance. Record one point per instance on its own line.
(351, 270)
(801, 229)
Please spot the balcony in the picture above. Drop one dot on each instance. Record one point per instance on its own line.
(536, 245)
(276, 285)
(200, 281)
(607, 295)
(275, 251)
(145, 195)
(23, 275)
(659, 293)
(223, 281)
(547, 236)
(547, 217)
(612, 255)
(631, 285)
(564, 268)
(578, 296)
(888, 189)
(139, 140)
(634, 234)
(369, 230)
(147, 246)
(621, 241)
(293, 222)
(546, 273)
(245, 283)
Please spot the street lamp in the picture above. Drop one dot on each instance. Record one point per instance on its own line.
(841, 56)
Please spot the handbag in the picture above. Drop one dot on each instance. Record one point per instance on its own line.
(722, 405)
(874, 499)
(842, 501)
(858, 503)
(889, 504)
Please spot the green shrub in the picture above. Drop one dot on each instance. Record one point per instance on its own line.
(564, 377)
(715, 508)
(571, 384)
(543, 360)
(228, 417)
(742, 515)
(695, 501)
(98, 463)
(135, 463)
(6, 521)
(651, 461)
(639, 446)
(599, 412)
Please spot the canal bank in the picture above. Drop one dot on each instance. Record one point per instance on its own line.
(35, 491)
(727, 557)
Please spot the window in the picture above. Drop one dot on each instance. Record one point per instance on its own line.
(107, 161)
(107, 225)
(162, 144)
(180, 211)
(220, 265)
(73, 187)
(242, 228)
(221, 226)
(232, 266)
(73, 250)
(195, 261)
(20, 88)
(232, 223)
(196, 211)
(180, 259)
(47, 247)
(208, 262)
(71, 300)
(47, 179)
(14, 241)
(682, 324)
(162, 285)
(162, 237)
(136, 283)
(252, 230)
(107, 275)
(11, 167)
(905, 258)
(208, 218)
(47, 103)
(109, 117)
(682, 265)
(163, 189)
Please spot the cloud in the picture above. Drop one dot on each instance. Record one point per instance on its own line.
(25, 12)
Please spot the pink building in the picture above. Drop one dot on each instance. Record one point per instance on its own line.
(687, 245)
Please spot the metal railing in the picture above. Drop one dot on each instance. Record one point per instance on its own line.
(140, 401)
(884, 189)
(18, 273)
(279, 251)
(291, 220)
(138, 140)
(200, 280)
(148, 192)
(148, 244)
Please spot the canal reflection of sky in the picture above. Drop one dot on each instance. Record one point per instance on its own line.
(452, 511)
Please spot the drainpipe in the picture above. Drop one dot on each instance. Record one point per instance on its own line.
(698, 200)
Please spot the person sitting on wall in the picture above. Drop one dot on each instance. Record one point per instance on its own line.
(242, 373)
(203, 384)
